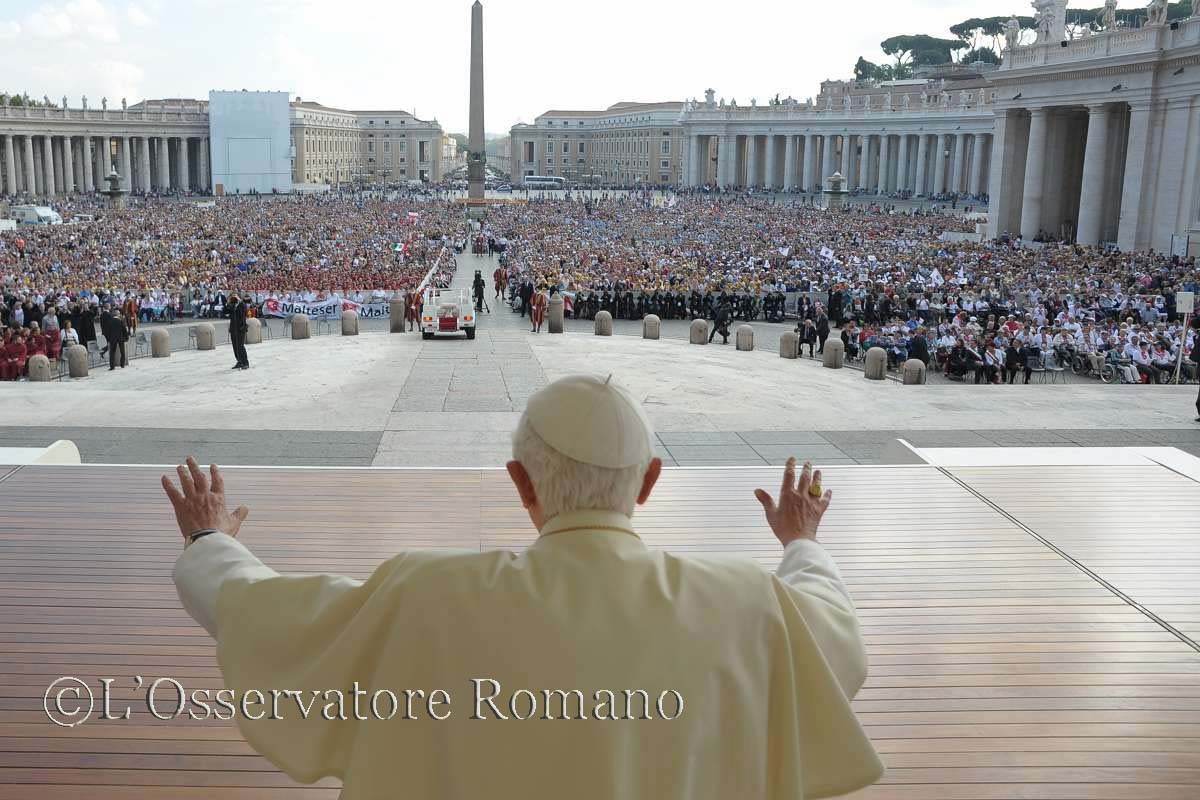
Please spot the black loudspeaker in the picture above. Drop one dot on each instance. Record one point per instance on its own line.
(1063, 43)
(1175, 25)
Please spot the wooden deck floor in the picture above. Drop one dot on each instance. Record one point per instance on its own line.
(1032, 632)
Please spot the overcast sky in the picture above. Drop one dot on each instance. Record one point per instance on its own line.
(383, 54)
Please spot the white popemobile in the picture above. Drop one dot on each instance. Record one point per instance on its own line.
(447, 311)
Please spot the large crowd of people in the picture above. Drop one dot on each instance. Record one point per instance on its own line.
(884, 275)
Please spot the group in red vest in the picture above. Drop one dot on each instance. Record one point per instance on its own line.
(18, 345)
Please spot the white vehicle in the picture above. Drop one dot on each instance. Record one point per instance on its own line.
(543, 182)
(447, 311)
(36, 215)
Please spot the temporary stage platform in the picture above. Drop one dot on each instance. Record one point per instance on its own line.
(1033, 630)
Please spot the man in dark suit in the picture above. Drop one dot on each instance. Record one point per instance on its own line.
(106, 318)
(116, 336)
(237, 331)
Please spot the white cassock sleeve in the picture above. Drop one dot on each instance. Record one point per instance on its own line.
(819, 595)
(204, 566)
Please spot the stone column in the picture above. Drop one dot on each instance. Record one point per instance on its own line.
(10, 167)
(693, 178)
(185, 177)
(1035, 167)
(812, 155)
(752, 159)
(960, 163)
(769, 181)
(885, 166)
(1091, 194)
(845, 168)
(47, 166)
(56, 164)
(920, 185)
(864, 163)
(903, 178)
(726, 160)
(976, 169)
(790, 144)
(941, 170)
(827, 162)
(144, 164)
(164, 165)
(204, 178)
(123, 155)
(68, 166)
(1135, 165)
(30, 182)
(89, 173)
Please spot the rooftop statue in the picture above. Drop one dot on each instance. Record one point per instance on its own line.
(1012, 33)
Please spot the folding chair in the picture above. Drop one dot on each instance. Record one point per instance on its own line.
(1034, 364)
(141, 345)
(94, 356)
(192, 337)
(1053, 368)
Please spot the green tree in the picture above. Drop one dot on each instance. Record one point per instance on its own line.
(913, 50)
(985, 54)
(23, 100)
(976, 30)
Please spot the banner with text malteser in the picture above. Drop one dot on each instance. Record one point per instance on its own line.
(329, 308)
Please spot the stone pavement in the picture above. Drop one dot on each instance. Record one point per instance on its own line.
(397, 400)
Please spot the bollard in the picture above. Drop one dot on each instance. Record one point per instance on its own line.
(396, 313)
(349, 323)
(206, 336)
(39, 369)
(555, 315)
(651, 326)
(833, 354)
(77, 361)
(254, 331)
(789, 345)
(160, 343)
(744, 337)
(914, 372)
(300, 326)
(875, 364)
(698, 332)
(603, 323)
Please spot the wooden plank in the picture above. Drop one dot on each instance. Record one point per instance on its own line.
(998, 668)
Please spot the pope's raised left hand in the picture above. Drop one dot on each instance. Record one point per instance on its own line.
(199, 503)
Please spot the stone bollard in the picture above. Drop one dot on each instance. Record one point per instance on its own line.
(349, 323)
(789, 345)
(300, 326)
(254, 331)
(834, 354)
(698, 332)
(206, 336)
(555, 315)
(875, 364)
(603, 323)
(744, 336)
(39, 369)
(77, 361)
(396, 313)
(914, 372)
(160, 343)
(651, 326)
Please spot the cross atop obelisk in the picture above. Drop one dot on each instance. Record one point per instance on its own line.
(476, 158)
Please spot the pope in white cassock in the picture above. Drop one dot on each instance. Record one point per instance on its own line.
(586, 666)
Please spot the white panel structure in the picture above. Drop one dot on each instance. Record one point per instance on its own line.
(250, 142)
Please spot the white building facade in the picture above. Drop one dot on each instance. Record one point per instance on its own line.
(1095, 139)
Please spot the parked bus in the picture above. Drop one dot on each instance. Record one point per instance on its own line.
(543, 182)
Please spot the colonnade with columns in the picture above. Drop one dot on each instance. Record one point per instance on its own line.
(920, 163)
(49, 164)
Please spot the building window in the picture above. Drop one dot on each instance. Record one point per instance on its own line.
(566, 161)
(664, 164)
(370, 145)
(581, 148)
(566, 147)
(387, 145)
(665, 147)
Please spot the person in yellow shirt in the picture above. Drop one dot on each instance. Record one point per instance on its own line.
(586, 666)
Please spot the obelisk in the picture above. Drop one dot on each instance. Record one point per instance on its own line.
(476, 157)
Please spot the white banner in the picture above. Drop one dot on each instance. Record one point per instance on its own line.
(329, 308)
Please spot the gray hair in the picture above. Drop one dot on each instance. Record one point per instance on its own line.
(563, 484)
